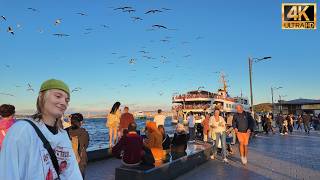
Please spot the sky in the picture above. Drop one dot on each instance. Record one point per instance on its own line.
(201, 38)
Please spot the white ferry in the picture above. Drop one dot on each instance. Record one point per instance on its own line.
(140, 115)
(201, 101)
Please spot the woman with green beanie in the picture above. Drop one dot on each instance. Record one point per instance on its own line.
(39, 148)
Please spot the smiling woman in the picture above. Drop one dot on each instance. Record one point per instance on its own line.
(43, 150)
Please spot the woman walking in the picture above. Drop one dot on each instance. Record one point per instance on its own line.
(218, 126)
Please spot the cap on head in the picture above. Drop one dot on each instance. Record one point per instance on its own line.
(55, 84)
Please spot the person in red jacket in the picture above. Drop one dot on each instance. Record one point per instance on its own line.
(125, 119)
(131, 145)
(7, 112)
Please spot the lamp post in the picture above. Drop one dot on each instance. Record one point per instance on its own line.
(272, 91)
(251, 61)
(280, 101)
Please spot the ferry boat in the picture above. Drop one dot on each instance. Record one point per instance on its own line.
(140, 115)
(201, 101)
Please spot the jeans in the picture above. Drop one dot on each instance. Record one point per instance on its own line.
(191, 133)
(307, 127)
(220, 137)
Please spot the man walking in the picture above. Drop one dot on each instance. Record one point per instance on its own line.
(243, 125)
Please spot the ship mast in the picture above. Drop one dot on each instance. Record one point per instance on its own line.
(223, 81)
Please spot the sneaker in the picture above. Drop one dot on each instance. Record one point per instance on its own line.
(242, 159)
(225, 160)
(245, 160)
(281, 133)
(212, 157)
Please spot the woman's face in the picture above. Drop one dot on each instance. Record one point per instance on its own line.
(55, 103)
(216, 112)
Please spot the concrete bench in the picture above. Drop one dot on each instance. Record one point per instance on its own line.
(174, 165)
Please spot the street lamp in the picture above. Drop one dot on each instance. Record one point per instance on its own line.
(280, 101)
(272, 90)
(251, 61)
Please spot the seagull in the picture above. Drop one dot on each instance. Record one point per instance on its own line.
(125, 85)
(7, 66)
(30, 88)
(164, 57)
(114, 53)
(81, 14)
(105, 26)
(57, 22)
(7, 94)
(159, 26)
(160, 93)
(41, 31)
(61, 35)
(148, 57)
(164, 40)
(199, 37)
(32, 9)
(186, 56)
(4, 18)
(10, 30)
(144, 52)
(136, 18)
(153, 11)
(88, 29)
(18, 25)
(155, 67)
(166, 9)
(123, 8)
(129, 10)
(75, 89)
(132, 61)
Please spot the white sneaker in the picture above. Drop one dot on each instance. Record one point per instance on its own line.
(245, 160)
(242, 159)
(225, 160)
(212, 157)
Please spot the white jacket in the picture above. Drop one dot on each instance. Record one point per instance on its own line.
(24, 157)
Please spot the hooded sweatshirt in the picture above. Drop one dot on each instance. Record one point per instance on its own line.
(5, 124)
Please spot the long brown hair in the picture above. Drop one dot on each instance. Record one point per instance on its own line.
(40, 104)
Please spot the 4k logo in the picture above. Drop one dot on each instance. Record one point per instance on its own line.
(299, 16)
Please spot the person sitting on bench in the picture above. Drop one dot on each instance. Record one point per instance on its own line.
(131, 145)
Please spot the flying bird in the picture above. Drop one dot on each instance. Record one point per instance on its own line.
(32, 9)
(4, 18)
(160, 93)
(10, 30)
(123, 8)
(159, 26)
(7, 94)
(61, 34)
(105, 26)
(75, 89)
(57, 22)
(153, 11)
(186, 56)
(132, 61)
(144, 52)
(137, 18)
(30, 88)
(129, 10)
(7, 66)
(164, 40)
(166, 9)
(120, 57)
(81, 14)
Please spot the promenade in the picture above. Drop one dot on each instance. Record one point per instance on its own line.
(295, 156)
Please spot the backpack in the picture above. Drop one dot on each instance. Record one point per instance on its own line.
(75, 147)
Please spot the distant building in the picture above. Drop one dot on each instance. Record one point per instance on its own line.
(297, 106)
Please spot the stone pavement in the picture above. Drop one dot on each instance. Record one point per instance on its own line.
(295, 156)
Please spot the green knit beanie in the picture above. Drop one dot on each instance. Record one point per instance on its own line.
(55, 84)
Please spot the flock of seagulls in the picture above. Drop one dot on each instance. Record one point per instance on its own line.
(132, 61)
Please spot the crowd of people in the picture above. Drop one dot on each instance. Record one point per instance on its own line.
(287, 123)
(44, 147)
